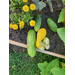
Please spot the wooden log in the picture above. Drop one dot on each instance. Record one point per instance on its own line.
(46, 52)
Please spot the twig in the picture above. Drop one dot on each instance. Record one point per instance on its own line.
(50, 6)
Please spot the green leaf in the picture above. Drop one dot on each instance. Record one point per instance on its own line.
(52, 64)
(63, 2)
(28, 16)
(37, 6)
(58, 71)
(45, 73)
(61, 16)
(36, 1)
(41, 5)
(61, 33)
(42, 66)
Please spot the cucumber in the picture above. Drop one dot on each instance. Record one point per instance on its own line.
(31, 43)
(52, 25)
(38, 22)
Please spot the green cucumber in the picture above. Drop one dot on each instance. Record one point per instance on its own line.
(52, 25)
(38, 22)
(31, 43)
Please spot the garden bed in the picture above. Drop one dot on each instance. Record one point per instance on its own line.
(56, 44)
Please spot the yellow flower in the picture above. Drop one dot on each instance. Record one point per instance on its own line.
(32, 7)
(15, 26)
(11, 25)
(32, 23)
(21, 24)
(25, 8)
(25, 0)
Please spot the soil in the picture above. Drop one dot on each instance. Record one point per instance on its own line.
(56, 44)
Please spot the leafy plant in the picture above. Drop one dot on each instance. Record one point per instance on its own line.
(20, 63)
(62, 16)
(51, 68)
(22, 13)
(58, 71)
(61, 33)
(16, 4)
(62, 13)
(39, 4)
(63, 2)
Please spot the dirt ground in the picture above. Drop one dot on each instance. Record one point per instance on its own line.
(56, 43)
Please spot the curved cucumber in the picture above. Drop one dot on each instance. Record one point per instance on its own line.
(38, 22)
(52, 25)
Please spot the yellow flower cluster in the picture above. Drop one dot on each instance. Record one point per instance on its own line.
(26, 7)
(21, 24)
(14, 26)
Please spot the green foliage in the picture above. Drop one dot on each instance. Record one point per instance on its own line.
(51, 68)
(61, 16)
(39, 4)
(61, 33)
(16, 6)
(63, 2)
(20, 63)
(58, 71)
(14, 18)
(52, 64)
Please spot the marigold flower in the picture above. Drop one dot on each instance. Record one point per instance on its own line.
(21, 24)
(25, 8)
(32, 23)
(11, 25)
(25, 0)
(32, 7)
(15, 26)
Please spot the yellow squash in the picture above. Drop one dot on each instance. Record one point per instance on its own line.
(40, 36)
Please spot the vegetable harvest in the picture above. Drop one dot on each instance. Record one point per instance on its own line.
(46, 42)
(31, 43)
(38, 22)
(52, 25)
(40, 36)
